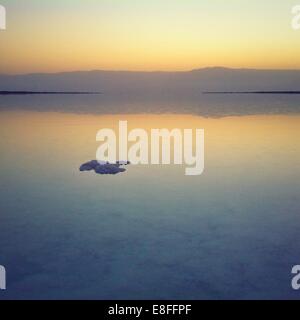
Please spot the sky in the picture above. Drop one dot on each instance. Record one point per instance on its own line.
(67, 35)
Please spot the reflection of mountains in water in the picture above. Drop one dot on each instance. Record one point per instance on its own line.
(235, 92)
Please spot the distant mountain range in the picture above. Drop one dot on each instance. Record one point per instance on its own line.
(193, 82)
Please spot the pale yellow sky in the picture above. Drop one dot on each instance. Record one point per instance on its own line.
(65, 35)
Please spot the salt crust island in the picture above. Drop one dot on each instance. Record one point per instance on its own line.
(102, 167)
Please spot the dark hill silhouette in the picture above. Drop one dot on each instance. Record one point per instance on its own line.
(192, 82)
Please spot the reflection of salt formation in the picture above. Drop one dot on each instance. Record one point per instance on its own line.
(101, 167)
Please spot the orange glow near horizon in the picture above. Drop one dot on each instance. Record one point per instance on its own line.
(139, 35)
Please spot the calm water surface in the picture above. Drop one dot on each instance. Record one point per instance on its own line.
(152, 232)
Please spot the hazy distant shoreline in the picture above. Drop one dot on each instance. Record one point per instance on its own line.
(7, 93)
(252, 92)
(155, 84)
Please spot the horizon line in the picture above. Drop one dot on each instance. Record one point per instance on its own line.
(24, 92)
(147, 71)
(290, 92)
